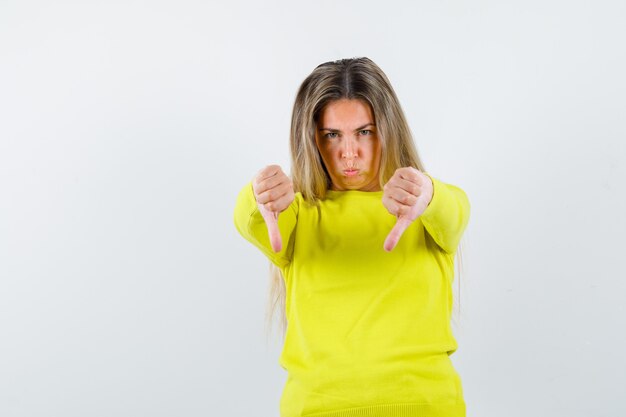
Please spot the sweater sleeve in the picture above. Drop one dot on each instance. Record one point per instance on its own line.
(251, 226)
(447, 215)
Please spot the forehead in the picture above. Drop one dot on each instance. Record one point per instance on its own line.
(346, 113)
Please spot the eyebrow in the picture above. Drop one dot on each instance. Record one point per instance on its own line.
(337, 130)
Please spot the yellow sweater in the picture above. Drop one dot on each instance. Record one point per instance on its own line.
(368, 331)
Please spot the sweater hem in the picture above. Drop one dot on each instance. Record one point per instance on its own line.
(397, 410)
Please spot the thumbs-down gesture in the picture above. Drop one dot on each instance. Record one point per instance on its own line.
(406, 195)
(273, 191)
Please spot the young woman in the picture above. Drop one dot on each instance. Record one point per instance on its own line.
(363, 242)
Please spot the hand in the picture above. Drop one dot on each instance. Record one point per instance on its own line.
(406, 195)
(273, 191)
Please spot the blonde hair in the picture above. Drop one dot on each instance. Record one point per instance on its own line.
(353, 78)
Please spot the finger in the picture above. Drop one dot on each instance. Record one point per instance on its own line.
(396, 208)
(282, 203)
(271, 221)
(406, 185)
(274, 193)
(394, 236)
(276, 189)
(267, 172)
(411, 174)
(398, 187)
(402, 197)
(271, 182)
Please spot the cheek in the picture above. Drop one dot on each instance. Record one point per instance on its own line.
(374, 151)
(328, 157)
(330, 154)
(326, 154)
(322, 151)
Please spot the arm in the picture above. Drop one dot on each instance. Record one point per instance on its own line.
(251, 226)
(447, 215)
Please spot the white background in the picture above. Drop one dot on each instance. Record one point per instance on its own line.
(127, 129)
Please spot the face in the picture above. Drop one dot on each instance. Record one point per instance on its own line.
(347, 140)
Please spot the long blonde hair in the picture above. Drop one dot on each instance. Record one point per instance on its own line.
(353, 78)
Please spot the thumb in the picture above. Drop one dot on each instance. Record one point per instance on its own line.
(394, 236)
(271, 220)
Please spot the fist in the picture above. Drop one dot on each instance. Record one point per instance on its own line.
(406, 195)
(273, 191)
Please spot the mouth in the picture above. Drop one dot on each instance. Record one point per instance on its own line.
(350, 172)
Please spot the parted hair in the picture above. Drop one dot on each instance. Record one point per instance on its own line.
(350, 78)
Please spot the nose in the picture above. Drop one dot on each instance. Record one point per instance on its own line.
(349, 149)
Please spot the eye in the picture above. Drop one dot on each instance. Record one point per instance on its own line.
(328, 135)
(366, 132)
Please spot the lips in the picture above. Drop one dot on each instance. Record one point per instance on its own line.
(350, 172)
